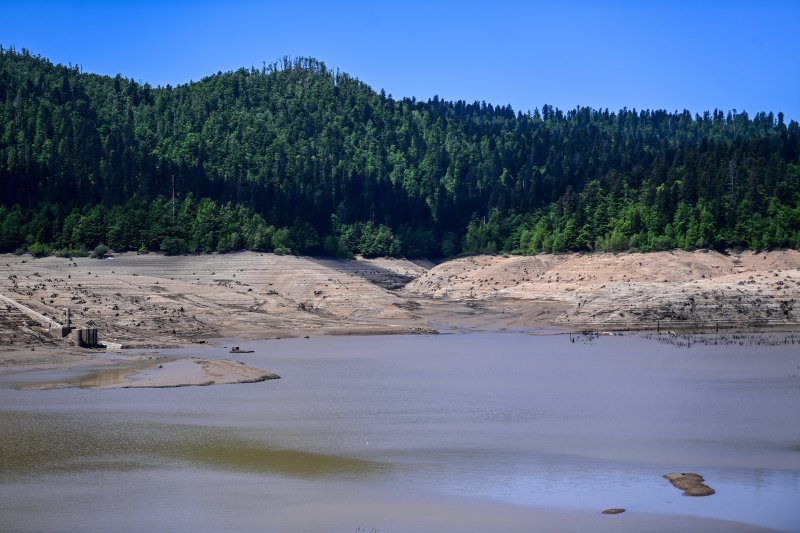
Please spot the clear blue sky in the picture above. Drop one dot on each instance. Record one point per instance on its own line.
(673, 55)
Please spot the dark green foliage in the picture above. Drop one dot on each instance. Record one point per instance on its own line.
(38, 249)
(295, 158)
(173, 246)
(100, 251)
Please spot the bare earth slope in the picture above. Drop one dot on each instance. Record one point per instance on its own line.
(694, 289)
(154, 300)
(157, 300)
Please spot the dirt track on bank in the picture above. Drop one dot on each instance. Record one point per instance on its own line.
(153, 300)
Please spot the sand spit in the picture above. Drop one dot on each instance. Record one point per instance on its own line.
(691, 484)
(153, 300)
(193, 371)
(161, 373)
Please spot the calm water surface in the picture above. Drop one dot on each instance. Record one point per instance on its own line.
(506, 421)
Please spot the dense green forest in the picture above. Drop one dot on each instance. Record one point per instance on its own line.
(296, 158)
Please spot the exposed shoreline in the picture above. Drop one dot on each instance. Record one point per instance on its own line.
(97, 369)
(160, 373)
(147, 301)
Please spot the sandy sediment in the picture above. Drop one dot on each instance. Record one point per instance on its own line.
(190, 371)
(98, 370)
(153, 300)
(630, 291)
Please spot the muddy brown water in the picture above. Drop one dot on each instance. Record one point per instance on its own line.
(414, 433)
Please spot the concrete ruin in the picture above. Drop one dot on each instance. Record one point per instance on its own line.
(52, 327)
(84, 337)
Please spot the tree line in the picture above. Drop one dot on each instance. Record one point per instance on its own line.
(293, 157)
(191, 226)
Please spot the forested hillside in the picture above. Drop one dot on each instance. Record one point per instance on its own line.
(294, 157)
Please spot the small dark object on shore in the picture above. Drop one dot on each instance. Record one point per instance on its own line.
(236, 349)
(613, 511)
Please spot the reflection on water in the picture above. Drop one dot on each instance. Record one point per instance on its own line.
(496, 419)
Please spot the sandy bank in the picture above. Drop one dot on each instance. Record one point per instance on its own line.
(153, 300)
(158, 373)
(191, 371)
(630, 291)
(76, 367)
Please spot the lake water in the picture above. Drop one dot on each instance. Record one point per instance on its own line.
(400, 433)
